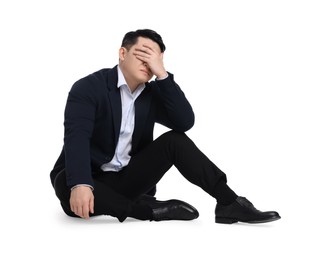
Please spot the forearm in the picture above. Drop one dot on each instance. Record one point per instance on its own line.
(175, 110)
(79, 123)
(77, 157)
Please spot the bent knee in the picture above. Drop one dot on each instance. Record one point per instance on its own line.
(173, 135)
(60, 186)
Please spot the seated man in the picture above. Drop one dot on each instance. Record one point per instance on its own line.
(110, 164)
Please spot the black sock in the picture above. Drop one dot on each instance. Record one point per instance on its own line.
(223, 194)
(141, 212)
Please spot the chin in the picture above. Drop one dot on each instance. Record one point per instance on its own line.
(145, 79)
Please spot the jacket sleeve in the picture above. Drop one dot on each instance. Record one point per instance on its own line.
(173, 109)
(79, 124)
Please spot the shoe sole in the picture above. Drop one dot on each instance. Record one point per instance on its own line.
(220, 220)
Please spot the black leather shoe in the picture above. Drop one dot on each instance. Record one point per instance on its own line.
(243, 210)
(170, 209)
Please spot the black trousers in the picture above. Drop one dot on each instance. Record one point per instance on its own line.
(116, 193)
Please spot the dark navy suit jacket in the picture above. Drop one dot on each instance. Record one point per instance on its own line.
(93, 118)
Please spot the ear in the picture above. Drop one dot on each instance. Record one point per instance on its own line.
(122, 53)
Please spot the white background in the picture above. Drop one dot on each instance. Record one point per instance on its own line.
(251, 72)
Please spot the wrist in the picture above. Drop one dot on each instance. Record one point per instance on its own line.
(82, 185)
(162, 75)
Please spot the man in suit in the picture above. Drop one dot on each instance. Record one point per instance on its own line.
(110, 164)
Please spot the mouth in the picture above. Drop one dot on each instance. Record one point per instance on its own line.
(146, 72)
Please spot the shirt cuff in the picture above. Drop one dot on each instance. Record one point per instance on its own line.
(78, 185)
(163, 77)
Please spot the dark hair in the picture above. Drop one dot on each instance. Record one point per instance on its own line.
(131, 38)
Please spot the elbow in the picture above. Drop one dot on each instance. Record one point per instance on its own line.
(187, 124)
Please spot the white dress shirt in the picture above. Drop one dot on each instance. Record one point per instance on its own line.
(121, 157)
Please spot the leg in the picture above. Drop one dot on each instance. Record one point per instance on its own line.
(106, 202)
(149, 165)
(177, 149)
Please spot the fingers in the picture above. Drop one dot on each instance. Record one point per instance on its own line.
(145, 52)
(146, 56)
(91, 205)
(143, 58)
(85, 211)
(81, 210)
(141, 54)
(147, 49)
(82, 202)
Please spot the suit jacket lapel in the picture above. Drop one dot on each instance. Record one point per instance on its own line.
(115, 101)
(142, 107)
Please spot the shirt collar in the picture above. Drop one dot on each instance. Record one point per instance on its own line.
(122, 81)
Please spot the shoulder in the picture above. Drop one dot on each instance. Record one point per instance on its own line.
(92, 84)
(94, 79)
